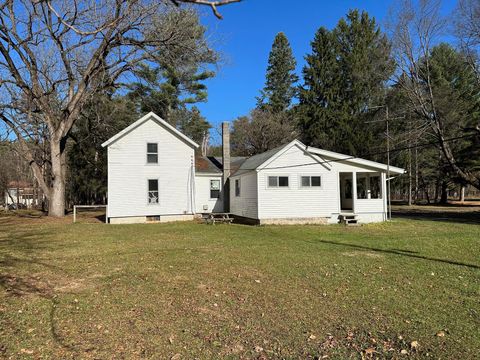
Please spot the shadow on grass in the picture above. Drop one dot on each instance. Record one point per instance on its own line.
(462, 217)
(22, 248)
(18, 286)
(406, 253)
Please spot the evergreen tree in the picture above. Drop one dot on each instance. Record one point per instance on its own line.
(169, 88)
(192, 123)
(178, 78)
(344, 76)
(102, 118)
(279, 88)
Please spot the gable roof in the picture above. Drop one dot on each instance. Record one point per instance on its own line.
(253, 162)
(157, 119)
(261, 160)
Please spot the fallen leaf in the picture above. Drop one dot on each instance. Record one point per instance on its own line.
(312, 337)
(176, 357)
(25, 351)
(404, 352)
(258, 349)
(370, 351)
(414, 344)
(440, 334)
(257, 281)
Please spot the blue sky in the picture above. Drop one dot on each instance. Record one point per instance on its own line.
(245, 36)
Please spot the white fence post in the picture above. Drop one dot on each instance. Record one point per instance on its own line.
(88, 206)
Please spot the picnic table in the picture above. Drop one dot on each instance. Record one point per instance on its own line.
(223, 218)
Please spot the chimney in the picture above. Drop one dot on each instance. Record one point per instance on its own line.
(226, 165)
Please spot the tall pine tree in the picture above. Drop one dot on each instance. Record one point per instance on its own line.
(279, 88)
(344, 77)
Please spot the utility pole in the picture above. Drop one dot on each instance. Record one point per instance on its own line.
(389, 195)
(387, 134)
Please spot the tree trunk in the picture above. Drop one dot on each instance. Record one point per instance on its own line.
(56, 203)
(462, 193)
(444, 194)
(410, 176)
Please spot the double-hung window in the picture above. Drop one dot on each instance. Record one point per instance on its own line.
(277, 181)
(311, 181)
(214, 189)
(152, 153)
(153, 191)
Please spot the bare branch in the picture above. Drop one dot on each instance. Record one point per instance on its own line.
(212, 4)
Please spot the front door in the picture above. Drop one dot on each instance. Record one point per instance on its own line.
(346, 192)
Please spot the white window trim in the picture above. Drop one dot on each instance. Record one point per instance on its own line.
(219, 189)
(267, 183)
(148, 191)
(300, 186)
(148, 153)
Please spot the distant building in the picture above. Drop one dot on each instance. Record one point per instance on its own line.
(19, 192)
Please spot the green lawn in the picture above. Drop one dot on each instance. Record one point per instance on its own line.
(189, 290)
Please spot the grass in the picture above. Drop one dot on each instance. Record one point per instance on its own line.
(189, 290)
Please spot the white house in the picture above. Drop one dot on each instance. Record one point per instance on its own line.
(153, 175)
(295, 183)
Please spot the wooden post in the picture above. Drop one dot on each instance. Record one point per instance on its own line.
(74, 213)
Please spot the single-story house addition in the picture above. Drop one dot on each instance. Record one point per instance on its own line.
(154, 175)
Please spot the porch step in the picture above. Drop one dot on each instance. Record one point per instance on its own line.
(349, 219)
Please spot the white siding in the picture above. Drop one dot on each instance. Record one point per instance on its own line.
(372, 210)
(302, 203)
(294, 201)
(128, 173)
(202, 194)
(247, 203)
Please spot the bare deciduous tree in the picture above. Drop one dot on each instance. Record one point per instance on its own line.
(414, 33)
(467, 29)
(55, 56)
(261, 131)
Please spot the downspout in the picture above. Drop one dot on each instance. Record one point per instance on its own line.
(226, 165)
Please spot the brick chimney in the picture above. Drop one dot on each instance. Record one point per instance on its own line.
(226, 165)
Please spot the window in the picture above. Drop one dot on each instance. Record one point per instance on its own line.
(375, 192)
(311, 181)
(153, 191)
(237, 187)
(278, 181)
(152, 153)
(153, 218)
(361, 186)
(369, 186)
(214, 189)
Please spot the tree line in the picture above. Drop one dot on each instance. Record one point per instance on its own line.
(357, 76)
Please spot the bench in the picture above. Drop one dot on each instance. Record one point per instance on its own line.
(223, 218)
